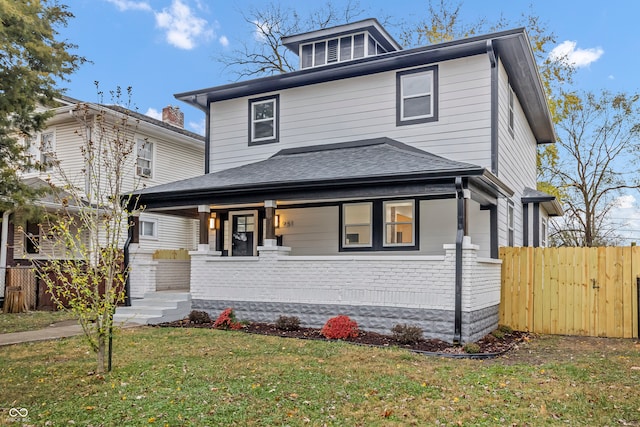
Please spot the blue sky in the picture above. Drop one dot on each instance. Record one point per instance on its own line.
(163, 47)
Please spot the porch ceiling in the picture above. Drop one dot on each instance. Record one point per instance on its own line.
(369, 168)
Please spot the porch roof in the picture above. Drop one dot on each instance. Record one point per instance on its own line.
(326, 171)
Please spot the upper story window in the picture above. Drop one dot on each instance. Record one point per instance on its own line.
(144, 162)
(339, 49)
(42, 149)
(264, 120)
(512, 97)
(417, 96)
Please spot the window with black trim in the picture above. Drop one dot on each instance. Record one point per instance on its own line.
(379, 225)
(264, 120)
(510, 223)
(417, 96)
(511, 111)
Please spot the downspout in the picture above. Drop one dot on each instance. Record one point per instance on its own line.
(3, 251)
(457, 330)
(207, 138)
(494, 106)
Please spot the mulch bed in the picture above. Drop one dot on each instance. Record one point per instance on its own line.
(489, 345)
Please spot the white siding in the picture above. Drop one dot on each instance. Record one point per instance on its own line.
(516, 160)
(362, 108)
(173, 232)
(311, 231)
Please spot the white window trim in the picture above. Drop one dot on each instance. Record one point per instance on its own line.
(544, 233)
(346, 244)
(418, 95)
(275, 99)
(412, 222)
(366, 52)
(140, 143)
(155, 229)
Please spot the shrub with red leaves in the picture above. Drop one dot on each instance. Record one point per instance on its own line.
(340, 327)
(227, 320)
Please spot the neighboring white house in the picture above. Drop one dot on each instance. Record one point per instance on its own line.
(165, 152)
(374, 182)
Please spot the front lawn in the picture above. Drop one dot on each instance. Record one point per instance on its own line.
(203, 377)
(19, 322)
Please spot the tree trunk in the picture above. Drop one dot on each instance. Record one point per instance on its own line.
(100, 355)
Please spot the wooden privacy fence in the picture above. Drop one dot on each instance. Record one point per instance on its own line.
(571, 291)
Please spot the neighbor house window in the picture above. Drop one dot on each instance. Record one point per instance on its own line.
(357, 222)
(398, 223)
(263, 120)
(32, 238)
(511, 113)
(47, 149)
(417, 96)
(544, 233)
(510, 223)
(379, 225)
(148, 229)
(144, 165)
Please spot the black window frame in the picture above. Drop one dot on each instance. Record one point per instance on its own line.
(434, 96)
(378, 225)
(276, 110)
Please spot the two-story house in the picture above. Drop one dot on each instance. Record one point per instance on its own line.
(165, 152)
(374, 182)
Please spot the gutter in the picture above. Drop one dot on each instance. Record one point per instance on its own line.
(457, 329)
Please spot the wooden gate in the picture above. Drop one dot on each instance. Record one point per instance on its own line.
(571, 291)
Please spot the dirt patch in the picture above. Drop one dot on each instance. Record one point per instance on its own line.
(488, 346)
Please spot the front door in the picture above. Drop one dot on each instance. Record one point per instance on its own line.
(242, 235)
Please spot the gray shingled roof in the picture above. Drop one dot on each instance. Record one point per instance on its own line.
(549, 202)
(381, 157)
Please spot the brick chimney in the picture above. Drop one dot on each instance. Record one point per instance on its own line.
(173, 116)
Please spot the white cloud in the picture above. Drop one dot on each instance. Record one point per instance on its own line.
(627, 201)
(183, 28)
(568, 52)
(152, 112)
(224, 41)
(124, 5)
(197, 127)
(611, 77)
(262, 28)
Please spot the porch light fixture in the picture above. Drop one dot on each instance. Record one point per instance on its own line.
(276, 221)
(212, 221)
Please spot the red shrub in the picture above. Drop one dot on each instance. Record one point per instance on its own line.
(340, 327)
(227, 320)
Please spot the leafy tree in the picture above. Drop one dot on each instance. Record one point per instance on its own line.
(265, 55)
(32, 61)
(597, 141)
(85, 271)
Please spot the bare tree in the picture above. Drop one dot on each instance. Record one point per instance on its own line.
(265, 54)
(598, 140)
(85, 271)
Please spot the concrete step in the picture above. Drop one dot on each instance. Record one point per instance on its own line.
(154, 308)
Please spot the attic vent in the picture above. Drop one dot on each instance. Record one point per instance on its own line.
(332, 51)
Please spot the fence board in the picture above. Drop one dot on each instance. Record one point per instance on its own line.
(573, 291)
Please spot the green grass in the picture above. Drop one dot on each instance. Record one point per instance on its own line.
(201, 377)
(19, 322)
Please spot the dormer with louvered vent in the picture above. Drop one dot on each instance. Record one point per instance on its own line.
(342, 43)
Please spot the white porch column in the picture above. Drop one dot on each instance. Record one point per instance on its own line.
(3, 250)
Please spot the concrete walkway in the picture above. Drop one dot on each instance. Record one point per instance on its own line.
(58, 330)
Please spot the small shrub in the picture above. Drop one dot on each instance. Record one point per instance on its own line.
(407, 334)
(199, 317)
(505, 329)
(498, 334)
(471, 348)
(227, 320)
(339, 327)
(288, 323)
